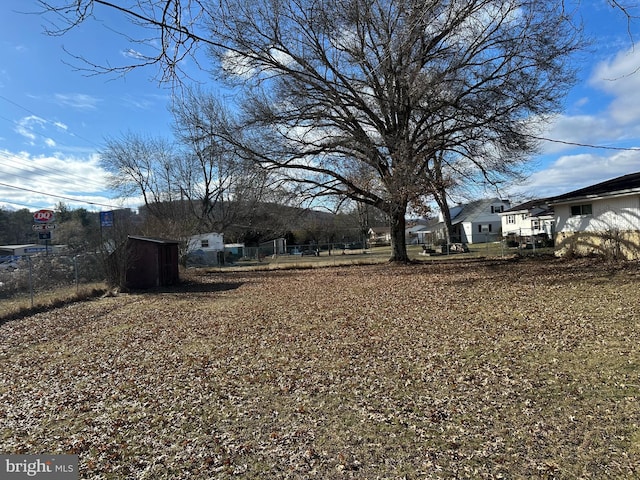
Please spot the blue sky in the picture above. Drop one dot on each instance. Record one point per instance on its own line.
(54, 119)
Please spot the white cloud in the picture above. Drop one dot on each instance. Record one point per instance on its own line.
(26, 127)
(577, 129)
(78, 178)
(131, 53)
(571, 172)
(34, 129)
(608, 116)
(80, 101)
(620, 78)
(614, 108)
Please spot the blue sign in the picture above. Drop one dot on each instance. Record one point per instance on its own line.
(106, 219)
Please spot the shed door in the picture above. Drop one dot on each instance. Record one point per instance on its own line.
(167, 265)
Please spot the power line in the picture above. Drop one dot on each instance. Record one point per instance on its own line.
(63, 197)
(31, 169)
(585, 145)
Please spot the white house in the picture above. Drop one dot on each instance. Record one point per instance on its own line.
(475, 222)
(602, 218)
(206, 249)
(525, 222)
(418, 234)
(379, 235)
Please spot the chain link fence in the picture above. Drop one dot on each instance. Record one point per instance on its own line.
(34, 275)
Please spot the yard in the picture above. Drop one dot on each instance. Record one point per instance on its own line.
(472, 368)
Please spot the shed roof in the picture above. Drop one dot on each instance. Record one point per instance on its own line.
(162, 241)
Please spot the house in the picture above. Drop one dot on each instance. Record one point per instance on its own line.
(418, 234)
(205, 249)
(603, 218)
(379, 235)
(529, 223)
(151, 262)
(475, 222)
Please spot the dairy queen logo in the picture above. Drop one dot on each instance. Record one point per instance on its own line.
(43, 216)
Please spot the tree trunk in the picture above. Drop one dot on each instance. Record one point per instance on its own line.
(441, 200)
(397, 225)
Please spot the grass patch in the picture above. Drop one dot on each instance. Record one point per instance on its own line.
(468, 369)
(21, 306)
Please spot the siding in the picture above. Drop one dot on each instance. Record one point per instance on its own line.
(610, 214)
(613, 228)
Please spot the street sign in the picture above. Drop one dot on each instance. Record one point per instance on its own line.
(106, 219)
(44, 235)
(44, 216)
(43, 227)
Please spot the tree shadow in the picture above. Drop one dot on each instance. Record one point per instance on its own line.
(192, 285)
(603, 237)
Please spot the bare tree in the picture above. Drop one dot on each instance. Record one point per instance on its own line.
(222, 185)
(196, 185)
(358, 97)
(147, 167)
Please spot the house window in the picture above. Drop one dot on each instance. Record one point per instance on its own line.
(498, 209)
(204, 243)
(535, 224)
(484, 228)
(581, 209)
(511, 219)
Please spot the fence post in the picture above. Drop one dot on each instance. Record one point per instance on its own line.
(75, 269)
(30, 280)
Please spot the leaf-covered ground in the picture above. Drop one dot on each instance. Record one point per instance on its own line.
(526, 369)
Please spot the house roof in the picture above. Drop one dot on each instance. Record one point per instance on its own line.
(547, 212)
(530, 205)
(470, 211)
(418, 228)
(624, 185)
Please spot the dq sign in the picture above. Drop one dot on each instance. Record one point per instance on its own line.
(43, 216)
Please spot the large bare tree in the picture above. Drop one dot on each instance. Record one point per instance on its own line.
(358, 98)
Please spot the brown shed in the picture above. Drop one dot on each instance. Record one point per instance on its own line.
(151, 262)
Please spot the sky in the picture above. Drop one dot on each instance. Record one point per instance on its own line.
(54, 119)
